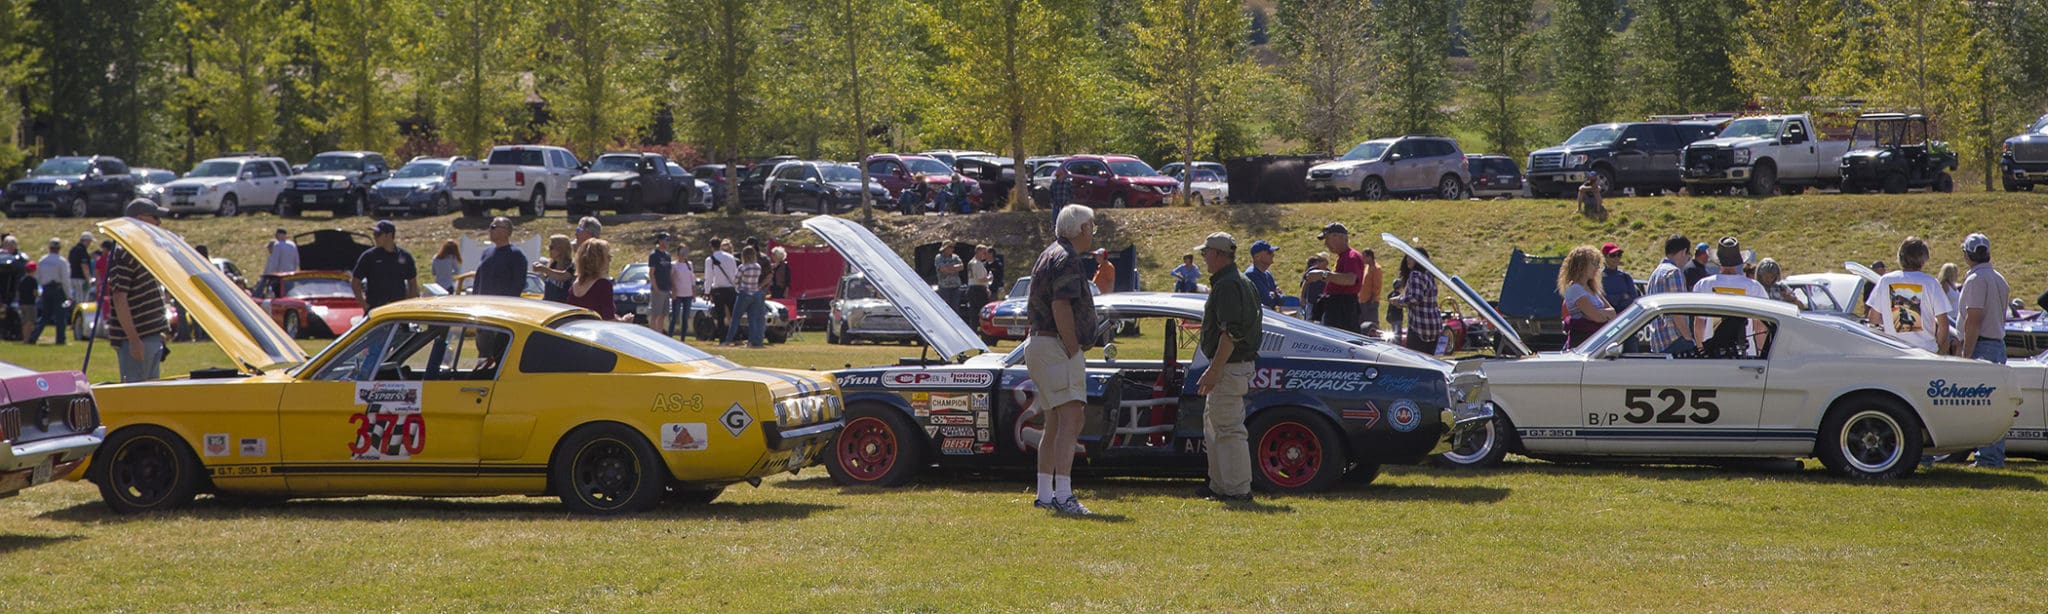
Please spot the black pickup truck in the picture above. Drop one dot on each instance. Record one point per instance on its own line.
(1640, 155)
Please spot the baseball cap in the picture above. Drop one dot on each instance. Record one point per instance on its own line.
(1610, 249)
(1261, 247)
(280, 231)
(1976, 244)
(1730, 252)
(1700, 248)
(383, 226)
(1219, 241)
(661, 235)
(85, 236)
(144, 206)
(1334, 227)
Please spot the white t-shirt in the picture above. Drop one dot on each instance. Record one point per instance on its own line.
(1731, 284)
(284, 258)
(1907, 305)
(721, 270)
(682, 279)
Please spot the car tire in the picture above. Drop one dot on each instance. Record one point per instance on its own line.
(1944, 183)
(229, 206)
(692, 496)
(776, 335)
(877, 447)
(1373, 188)
(776, 206)
(537, 203)
(1118, 202)
(1295, 451)
(1362, 473)
(443, 205)
(76, 208)
(1449, 188)
(292, 327)
(146, 469)
(607, 469)
(1764, 181)
(1849, 186)
(832, 334)
(1870, 438)
(1482, 449)
(1606, 182)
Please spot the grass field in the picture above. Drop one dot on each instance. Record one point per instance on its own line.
(1528, 537)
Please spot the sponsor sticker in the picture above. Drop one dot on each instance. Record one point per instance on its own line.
(928, 378)
(1944, 394)
(921, 404)
(253, 446)
(216, 444)
(956, 446)
(931, 431)
(685, 436)
(950, 404)
(981, 419)
(986, 448)
(980, 400)
(952, 420)
(859, 380)
(1370, 414)
(983, 434)
(1404, 415)
(390, 427)
(956, 431)
(736, 419)
(42, 384)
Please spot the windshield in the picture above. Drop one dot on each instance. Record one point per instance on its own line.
(839, 172)
(1595, 135)
(334, 163)
(1753, 128)
(422, 169)
(2040, 126)
(1365, 152)
(215, 168)
(517, 157)
(926, 166)
(632, 340)
(158, 177)
(60, 168)
(634, 273)
(1131, 168)
(615, 164)
(317, 287)
(857, 289)
(1020, 289)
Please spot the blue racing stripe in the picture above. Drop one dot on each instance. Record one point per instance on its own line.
(1656, 433)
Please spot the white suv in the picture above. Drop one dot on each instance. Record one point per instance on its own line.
(1376, 169)
(228, 186)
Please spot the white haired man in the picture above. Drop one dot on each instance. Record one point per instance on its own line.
(1062, 316)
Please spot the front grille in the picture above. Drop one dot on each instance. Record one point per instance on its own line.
(309, 186)
(185, 190)
(10, 423)
(2024, 344)
(1321, 174)
(37, 188)
(2030, 150)
(1546, 161)
(1708, 158)
(1007, 321)
(593, 185)
(394, 193)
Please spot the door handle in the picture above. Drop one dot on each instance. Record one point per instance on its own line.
(1758, 369)
(477, 390)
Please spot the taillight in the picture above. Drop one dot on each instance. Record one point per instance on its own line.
(451, 178)
(10, 423)
(519, 178)
(81, 417)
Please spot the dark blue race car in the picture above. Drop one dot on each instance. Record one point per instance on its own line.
(1325, 405)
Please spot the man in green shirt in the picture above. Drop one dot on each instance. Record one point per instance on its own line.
(1230, 338)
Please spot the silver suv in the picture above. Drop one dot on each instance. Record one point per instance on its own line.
(1376, 169)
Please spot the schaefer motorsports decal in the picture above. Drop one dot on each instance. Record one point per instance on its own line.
(1945, 394)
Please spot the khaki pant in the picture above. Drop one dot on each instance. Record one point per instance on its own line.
(1230, 455)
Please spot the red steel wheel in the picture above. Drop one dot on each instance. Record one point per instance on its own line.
(878, 447)
(1295, 451)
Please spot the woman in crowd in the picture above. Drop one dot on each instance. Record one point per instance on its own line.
(560, 261)
(1585, 309)
(447, 263)
(1772, 277)
(1312, 291)
(752, 302)
(778, 273)
(592, 287)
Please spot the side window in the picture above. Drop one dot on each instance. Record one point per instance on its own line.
(1664, 136)
(882, 167)
(280, 168)
(354, 364)
(1726, 338)
(810, 172)
(1405, 149)
(1796, 130)
(376, 160)
(1638, 132)
(547, 353)
(261, 170)
(442, 352)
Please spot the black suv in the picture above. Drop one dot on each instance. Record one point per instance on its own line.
(2024, 163)
(819, 186)
(1640, 155)
(72, 186)
(754, 182)
(629, 182)
(1891, 152)
(337, 181)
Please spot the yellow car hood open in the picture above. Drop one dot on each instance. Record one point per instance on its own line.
(237, 324)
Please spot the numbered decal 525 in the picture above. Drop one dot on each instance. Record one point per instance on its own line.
(1661, 406)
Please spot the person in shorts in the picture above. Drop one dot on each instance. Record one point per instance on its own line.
(1062, 316)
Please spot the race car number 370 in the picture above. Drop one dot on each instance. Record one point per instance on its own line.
(390, 426)
(1662, 406)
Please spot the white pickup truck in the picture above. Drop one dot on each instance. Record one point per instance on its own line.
(530, 177)
(1763, 155)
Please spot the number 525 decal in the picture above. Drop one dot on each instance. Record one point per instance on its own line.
(1677, 407)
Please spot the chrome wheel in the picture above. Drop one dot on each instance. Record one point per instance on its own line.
(1872, 441)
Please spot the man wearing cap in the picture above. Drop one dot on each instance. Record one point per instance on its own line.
(1617, 284)
(1105, 273)
(660, 283)
(1729, 339)
(1672, 334)
(1338, 308)
(946, 268)
(1261, 274)
(1186, 278)
(51, 272)
(1062, 316)
(1369, 293)
(1984, 297)
(1230, 338)
(80, 259)
(137, 299)
(385, 273)
(1697, 269)
(502, 270)
(978, 279)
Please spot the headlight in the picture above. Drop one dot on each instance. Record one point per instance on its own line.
(338, 184)
(1347, 171)
(618, 185)
(424, 187)
(318, 310)
(215, 188)
(1742, 157)
(61, 183)
(1575, 160)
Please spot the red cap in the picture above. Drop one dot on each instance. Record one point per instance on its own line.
(1610, 249)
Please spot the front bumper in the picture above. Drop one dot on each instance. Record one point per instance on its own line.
(1712, 176)
(410, 201)
(598, 197)
(1551, 181)
(37, 462)
(46, 202)
(317, 199)
(202, 202)
(2012, 170)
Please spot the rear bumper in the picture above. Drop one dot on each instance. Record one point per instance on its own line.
(22, 465)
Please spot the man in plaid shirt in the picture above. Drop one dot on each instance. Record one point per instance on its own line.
(1668, 334)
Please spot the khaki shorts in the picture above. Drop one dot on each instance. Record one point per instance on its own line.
(1060, 378)
(657, 301)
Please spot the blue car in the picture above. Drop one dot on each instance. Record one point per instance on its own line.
(418, 188)
(1325, 406)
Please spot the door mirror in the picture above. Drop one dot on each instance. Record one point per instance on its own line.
(248, 174)
(1610, 352)
(1393, 157)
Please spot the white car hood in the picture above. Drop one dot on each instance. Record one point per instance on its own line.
(929, 314)
(1340, 165)
(204, 182)
(1735, 142)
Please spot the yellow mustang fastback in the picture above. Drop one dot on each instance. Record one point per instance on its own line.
(446, 396)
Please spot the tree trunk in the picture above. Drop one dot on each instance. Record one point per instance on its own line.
(860, 124)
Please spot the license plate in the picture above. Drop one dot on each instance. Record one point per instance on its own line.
(41, 474)
(181, 203)
(309, 198)
(485, 193)
(1018, 331)
(590, 198)
(28, 199)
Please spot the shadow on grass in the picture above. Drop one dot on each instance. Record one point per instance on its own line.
(382, 508)
(1126, 488)
(14, 543)
(2016, 476)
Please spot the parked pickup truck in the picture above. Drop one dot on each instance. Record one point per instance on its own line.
(1764, 155)
(530, 177)
(1639, 155)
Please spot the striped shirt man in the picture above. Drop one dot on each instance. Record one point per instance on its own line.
(145, 298)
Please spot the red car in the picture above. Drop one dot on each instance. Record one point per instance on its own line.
(316, 300)
(894, 172)
(1117, 182)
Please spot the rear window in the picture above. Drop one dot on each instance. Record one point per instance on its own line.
(519, 157)
(632, 340)
(1498, 166)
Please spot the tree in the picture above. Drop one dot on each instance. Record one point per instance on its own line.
(1678, 60)
(358, 54)
(874, 35)
(1328, 68)
(596, 82)
(714, 72)
(1581, 42)
(1496, 36)
(472, 51)
(1190, 52)
(18, 59)
(102, 75)
(1786, 52)
(1413, 46)
(1008, 62)
(239, 50)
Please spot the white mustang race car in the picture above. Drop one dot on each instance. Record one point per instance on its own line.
(2029, 435)
(1807, 385)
